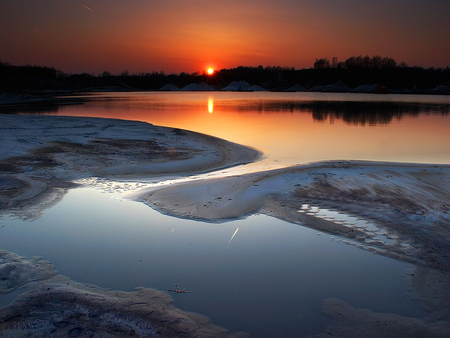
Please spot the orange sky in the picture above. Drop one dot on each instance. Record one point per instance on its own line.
(180, 35)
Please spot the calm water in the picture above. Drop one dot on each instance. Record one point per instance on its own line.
(271, 279)
(297, 127)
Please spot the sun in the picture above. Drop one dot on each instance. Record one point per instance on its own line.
(210, 71)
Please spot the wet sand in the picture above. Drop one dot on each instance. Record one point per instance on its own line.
(43, 157)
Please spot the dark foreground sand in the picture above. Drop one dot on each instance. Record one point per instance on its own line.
(55, 306)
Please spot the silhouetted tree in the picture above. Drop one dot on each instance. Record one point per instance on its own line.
(322, 63)
(334, 62)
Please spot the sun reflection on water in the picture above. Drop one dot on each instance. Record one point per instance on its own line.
(210, 105)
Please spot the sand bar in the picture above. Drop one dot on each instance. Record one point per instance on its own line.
(410, 201)
(41, 156)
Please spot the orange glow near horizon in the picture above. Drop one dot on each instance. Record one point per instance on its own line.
(116, 35)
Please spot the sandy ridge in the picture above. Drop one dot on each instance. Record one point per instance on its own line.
(41, 156)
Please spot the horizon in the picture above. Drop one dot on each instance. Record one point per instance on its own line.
(196, 73)
(176, 36)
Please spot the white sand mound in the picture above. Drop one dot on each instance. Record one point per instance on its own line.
(170, 88)
(189, 87)
(230, 88)
(238, 86)
(442, 89)
(338, 87)
(203, 87)
(296, 88)
(197, 87)
(243, 86)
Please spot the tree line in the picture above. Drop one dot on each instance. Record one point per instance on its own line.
(359, 62)
(354, 71)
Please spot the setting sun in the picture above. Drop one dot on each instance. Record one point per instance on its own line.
(210, 71)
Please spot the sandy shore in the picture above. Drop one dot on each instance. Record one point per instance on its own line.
(398, 210)
(41, 156)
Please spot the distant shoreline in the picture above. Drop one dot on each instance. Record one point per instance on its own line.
(357, 74)
(56, 98)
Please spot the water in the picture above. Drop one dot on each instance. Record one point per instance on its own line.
(271, 277)
(296, 127)
(270, 280)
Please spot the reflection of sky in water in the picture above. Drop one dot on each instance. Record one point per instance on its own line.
(269, 280)
(296, 127)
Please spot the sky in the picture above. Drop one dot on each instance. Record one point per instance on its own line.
(190, 35)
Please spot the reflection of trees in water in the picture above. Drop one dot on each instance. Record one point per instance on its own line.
(35, 109)
(374, 113)
(354, 112)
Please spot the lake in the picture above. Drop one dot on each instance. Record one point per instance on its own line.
(271, 278)
(296, 127)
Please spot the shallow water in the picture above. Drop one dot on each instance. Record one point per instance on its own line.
(269, 280)
(271, 277)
